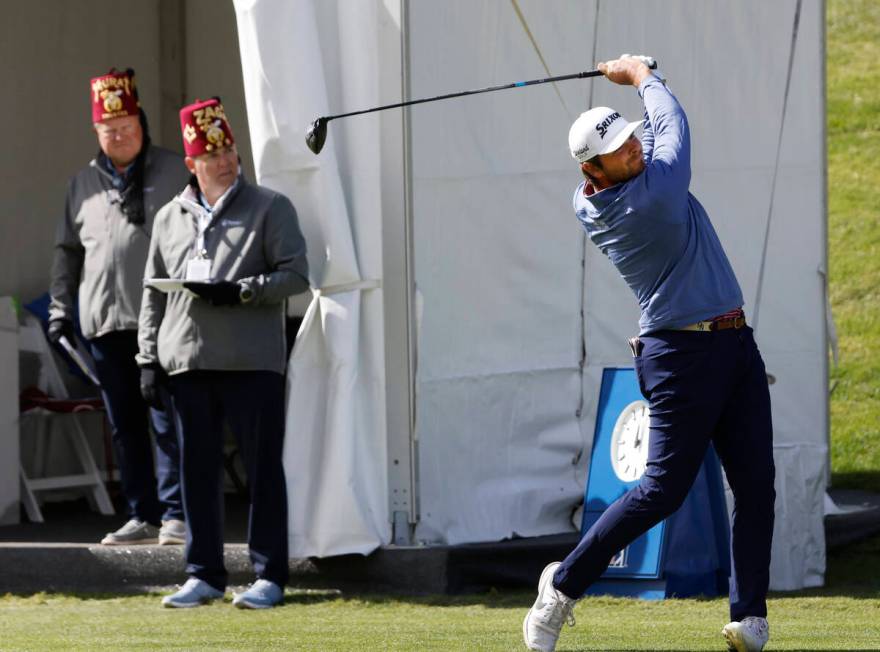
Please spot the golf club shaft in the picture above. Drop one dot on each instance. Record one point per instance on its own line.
(489, 89)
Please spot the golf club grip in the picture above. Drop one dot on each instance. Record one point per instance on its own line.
(488, 89)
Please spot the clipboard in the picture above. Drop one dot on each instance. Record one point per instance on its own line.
(165, 284)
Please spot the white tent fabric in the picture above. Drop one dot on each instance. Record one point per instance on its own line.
(505, 408)
(334, 454)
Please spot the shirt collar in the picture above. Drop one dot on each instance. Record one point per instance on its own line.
(117, 178)
(222, 199)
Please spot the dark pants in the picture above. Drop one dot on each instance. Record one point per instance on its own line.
(701, 387)
(252, 403)
(128, 414)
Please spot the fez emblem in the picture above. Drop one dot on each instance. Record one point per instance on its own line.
(214, 134)
(112, 100)
(189, 132)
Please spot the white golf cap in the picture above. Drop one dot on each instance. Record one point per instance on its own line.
(598, 131)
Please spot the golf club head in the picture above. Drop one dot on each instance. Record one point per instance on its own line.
(316, 134)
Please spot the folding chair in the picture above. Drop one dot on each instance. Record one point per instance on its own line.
(54, 402)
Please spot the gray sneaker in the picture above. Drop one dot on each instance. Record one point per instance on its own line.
(172, 532)
(135, 532)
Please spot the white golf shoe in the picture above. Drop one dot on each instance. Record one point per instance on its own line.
(551, 609)
(749, 635)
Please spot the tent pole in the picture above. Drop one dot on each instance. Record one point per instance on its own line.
(399, 299)
(410, 272)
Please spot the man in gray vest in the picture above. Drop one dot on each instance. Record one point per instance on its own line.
(236, 253)
(100, 251)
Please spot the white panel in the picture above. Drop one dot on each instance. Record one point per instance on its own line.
(334, 455)
(495, 302)
(504, 463)
(498, 264)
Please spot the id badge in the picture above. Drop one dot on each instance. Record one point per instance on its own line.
(198, 269)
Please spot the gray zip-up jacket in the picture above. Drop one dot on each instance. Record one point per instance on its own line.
(253, 238)
(99, 254)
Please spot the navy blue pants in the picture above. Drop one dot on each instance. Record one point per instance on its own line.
(701, 387)
(252, 403)
(129, 418)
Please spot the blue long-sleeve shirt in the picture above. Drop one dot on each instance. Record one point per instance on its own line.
(654, 230)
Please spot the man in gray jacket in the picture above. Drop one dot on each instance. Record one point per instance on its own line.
(100, 252)
(238, 251)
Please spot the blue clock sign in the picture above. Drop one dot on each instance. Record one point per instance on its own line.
(685, 555)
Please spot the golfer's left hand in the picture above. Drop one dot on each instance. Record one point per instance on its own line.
(649, 61)
(628, 71)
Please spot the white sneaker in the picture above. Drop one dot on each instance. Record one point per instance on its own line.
(193, 593)
(172, 532)
(262, 594)
(551, 609)
(134, 532)
(749, 635)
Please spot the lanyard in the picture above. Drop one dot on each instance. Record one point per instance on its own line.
(202, 224)
(207, 214)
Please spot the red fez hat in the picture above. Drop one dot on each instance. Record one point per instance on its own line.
(114, 95)
(205, 127)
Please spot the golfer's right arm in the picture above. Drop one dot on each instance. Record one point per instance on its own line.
(671, 155)
(668, 173)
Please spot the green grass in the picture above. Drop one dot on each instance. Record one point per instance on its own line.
(844, 615)
(137, 623)
(853, 103)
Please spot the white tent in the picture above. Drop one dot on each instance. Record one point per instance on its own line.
(444, 385)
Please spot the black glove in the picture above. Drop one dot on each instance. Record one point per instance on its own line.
(150, 385)
(218, 293)
(59, 327)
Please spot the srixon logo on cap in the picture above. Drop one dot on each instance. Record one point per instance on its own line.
(602, 127)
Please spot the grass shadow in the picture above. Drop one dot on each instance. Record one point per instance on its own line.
(860, 480)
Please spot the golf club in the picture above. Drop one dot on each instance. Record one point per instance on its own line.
(316, 134)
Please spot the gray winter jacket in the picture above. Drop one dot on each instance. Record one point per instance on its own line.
(99, 254)
(253, 238)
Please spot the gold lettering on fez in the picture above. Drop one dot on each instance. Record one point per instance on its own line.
(124, 84)
(189, 132)
(206, 116)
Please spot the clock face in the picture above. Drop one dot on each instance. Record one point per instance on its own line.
(629, 442)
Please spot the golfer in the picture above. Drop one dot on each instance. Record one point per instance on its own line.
(695, 357)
